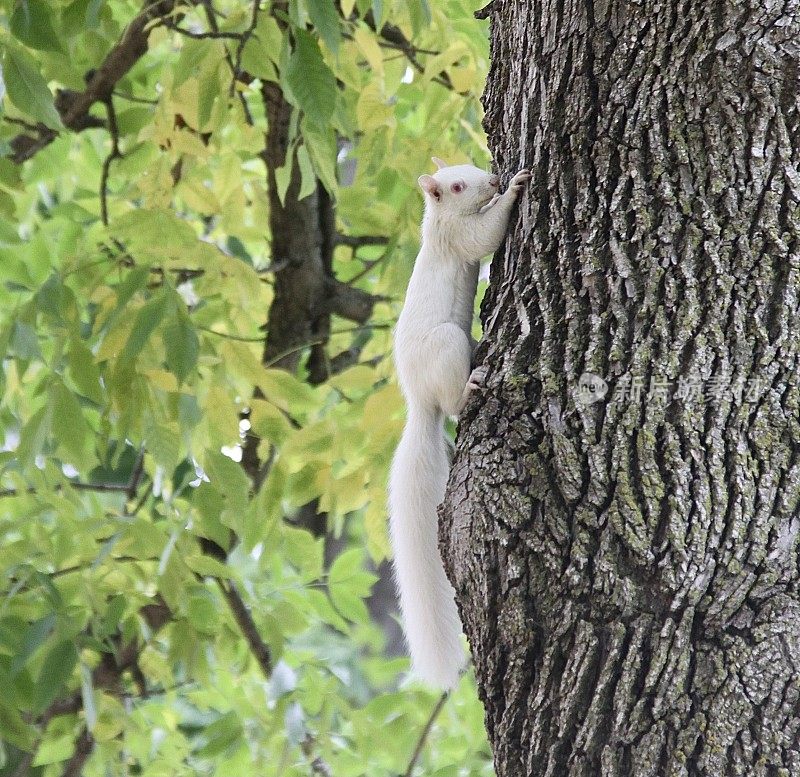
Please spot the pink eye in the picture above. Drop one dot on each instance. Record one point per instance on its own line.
(457, 187)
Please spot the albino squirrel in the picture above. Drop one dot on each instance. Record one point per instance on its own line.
(465, 219)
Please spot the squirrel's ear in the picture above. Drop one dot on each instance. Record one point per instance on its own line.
(440, 163)
(430, 186)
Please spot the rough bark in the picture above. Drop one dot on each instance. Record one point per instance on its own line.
(627, 570)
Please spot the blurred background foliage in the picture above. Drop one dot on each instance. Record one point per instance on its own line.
(193, 523)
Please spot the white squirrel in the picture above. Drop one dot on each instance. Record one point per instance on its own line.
(465, 219)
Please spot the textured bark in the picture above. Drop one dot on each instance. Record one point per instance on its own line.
(627, 570)
(303, 234)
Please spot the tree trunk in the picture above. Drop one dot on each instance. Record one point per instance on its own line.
(627, 565)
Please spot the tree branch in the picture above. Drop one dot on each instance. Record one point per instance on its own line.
(424, 735)
(247, 625)
(74, 107)
(394, 36)
(205, 35)
(356, 241)
(84, 744)
(105, 675)
(109, 487)
(349, 302)
(112, 155)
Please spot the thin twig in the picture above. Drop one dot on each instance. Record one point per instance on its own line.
(132, 98)
(138, 506)
(368, 267)
(136, 475)
(205, 35)
(110, 487)
(30, 126)
(227, 336)
(425, 732)
(211, 16)
(246, 35)
(247, 625)
(112, 155)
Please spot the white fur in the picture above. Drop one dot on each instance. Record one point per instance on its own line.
(433, 350)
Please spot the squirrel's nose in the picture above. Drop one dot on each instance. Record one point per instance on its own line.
(494, 181)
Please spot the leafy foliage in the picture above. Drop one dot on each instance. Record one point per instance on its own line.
(165, 610)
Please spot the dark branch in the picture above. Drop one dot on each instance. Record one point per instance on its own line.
(349, 302)
(247, 626)
(424, 735)
(84, 745)
(112, 155)
(356, 241)
(485, 12)
(74, 107)
(132, 98)
(204, 35)
(110, 487)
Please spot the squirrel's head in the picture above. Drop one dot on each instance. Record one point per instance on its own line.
(458, 189)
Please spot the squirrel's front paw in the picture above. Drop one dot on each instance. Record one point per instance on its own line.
(517, 182)
(477, 378)
(475, 382)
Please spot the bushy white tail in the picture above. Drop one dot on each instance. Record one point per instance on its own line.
(416, 488)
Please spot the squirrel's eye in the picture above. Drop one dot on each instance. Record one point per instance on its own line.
(457, 188)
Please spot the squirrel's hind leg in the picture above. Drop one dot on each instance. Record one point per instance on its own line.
(448, 365)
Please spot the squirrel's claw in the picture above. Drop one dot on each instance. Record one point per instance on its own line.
(519, 179)
(477, 378)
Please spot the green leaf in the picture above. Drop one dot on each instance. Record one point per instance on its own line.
(35, 636)
(265, 510)
(420, 12)
(321, 145)
(13, 727)
(229, 479)
(30, 23)
(147, 319)
(53, 751)
(308, 181)
(182, 347)
(349, 584)
(27, 89)
(69, 426)
(133, 281)
(34, 435)
(325, 19)
(309, 80)
(84, 371)
(55, 672)
(208, 91)
(80, 16)
(25, 342)
(283, 176)
(201, 610)
(221, 734)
